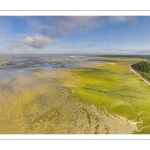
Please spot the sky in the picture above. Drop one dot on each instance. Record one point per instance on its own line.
(122, 35)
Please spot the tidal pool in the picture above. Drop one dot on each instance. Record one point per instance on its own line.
(21, 66)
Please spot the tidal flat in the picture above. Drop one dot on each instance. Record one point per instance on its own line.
(72, 95)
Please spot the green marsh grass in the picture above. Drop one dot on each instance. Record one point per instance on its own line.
(119, 90)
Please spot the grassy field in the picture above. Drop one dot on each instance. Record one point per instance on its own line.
(107, 99)
(119, 90)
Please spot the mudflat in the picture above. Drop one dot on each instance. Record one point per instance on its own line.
(72, 95)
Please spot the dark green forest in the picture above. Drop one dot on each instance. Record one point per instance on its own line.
(142, 67)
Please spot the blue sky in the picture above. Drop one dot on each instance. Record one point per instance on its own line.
(75, 35)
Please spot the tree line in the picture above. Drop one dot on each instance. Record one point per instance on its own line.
(142, 67)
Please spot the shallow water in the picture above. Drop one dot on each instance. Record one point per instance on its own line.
(16, 67)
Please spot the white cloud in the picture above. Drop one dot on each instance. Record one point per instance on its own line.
(39, 26)
(87, 22)
(121, 19)
(64, 26)
(117, 19)
(39, 41)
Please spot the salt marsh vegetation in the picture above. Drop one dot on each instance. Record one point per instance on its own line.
(104, 98)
